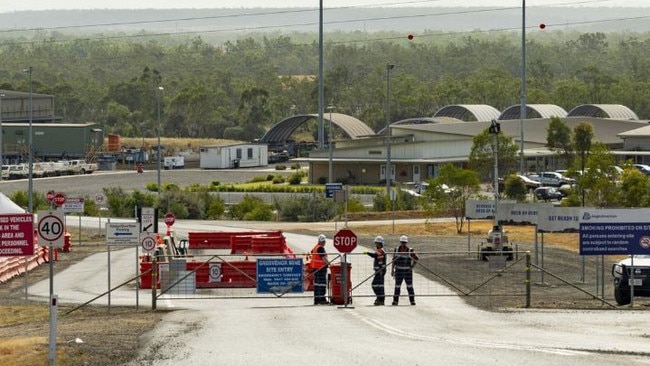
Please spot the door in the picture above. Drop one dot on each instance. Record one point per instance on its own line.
(416, 173)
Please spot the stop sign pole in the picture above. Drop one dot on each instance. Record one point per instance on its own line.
(345, 241)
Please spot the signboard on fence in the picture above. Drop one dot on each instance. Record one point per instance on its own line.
(16, 235)
(123, 233)
(73, 204)
(558, 219)
(616, 231)
(279, 275)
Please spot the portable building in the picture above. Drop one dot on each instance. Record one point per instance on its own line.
(233, 156)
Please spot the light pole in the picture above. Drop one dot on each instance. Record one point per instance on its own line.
(321, 84)
(2, 95)
(158, 154)
(494, 129)
(389, 67)
(330, 108)
(30, 186)
(522, 113)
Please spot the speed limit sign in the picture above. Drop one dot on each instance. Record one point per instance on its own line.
(51, 228)
(148, 243)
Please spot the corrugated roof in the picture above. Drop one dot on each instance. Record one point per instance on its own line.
(533, 111)
(281, 131)
(469, 112)
(616, 111)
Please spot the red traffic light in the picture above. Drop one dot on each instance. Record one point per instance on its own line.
(410, 37)
(542, 26)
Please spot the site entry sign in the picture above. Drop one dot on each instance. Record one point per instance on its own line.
(618, 231)
(279, 275)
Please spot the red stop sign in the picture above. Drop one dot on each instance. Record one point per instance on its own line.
(170, 219)
(50, 196)
(345, 241)
(59, 199)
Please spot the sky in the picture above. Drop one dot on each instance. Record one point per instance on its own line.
(22, 5)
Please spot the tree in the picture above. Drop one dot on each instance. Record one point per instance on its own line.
(481, 157)
(448, 193)
(599, 178)
(515, 188)
(635, 188)
(558, 139)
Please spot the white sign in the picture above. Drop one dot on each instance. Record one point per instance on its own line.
(73, 204)
(147, 219)
(100, 199)
(559, 219)
(122, 234)
(215, 272)
(51, 228)
(148, 243)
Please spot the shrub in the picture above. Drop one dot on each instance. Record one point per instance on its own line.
(251, 208)
(280, 167)
(295, 178)
(305, 209)
(278, 179)
(258, 179)
(295, 166)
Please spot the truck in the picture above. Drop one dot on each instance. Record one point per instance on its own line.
(174, 162)
(496, 243)
(630, 274)
(78, 166)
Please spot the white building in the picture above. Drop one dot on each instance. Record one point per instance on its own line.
(233, 156)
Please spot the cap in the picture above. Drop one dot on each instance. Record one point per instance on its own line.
(379, 240)
(322, 238)
(403, 239)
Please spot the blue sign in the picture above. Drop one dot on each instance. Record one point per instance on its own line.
(331, 187)
(279, 275)
(607, 232)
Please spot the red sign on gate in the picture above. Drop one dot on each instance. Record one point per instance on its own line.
(345, 240)
(59, 199)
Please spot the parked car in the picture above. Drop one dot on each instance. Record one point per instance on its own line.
(548, 194)
(623, 273)
(554, 179)
(530, 184)
(645, 169)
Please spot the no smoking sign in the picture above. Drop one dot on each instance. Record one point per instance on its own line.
(51, 228)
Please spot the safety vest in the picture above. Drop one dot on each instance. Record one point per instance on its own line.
(380, 259)
(317, 259)
(403, 258)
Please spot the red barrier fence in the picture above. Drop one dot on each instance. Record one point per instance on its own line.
(221, 239)
(11, 267)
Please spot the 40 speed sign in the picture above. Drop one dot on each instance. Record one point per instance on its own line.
(51, 228)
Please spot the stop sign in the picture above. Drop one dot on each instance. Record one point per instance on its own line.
(345, 241)
(59, 199)
(50, 196)
(170, 219)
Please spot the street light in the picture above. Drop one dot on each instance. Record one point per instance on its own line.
(30, 186)
(494, 130)
(523, 88)
(330, 176)
(389, 67)
(2, 95)
(158, 96)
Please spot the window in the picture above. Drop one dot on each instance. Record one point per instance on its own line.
(250, 153)
(238, 153)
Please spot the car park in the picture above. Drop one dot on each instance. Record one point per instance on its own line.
(628, 275)
(548, 194)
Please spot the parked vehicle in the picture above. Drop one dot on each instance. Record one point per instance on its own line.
(548, 194)
(645, 169)
(18, 171)
(554, 179)
(624, 272)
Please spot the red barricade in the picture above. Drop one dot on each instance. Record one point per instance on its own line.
(221, 239)
(336, 284)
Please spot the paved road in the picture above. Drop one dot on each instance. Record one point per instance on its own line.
(290, 331)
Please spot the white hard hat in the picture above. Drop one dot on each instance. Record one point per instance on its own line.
(379, 240)
(403, 239)
(322, 238)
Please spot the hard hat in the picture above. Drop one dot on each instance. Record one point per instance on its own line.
(403, 239)
(379, 240)
(321, 238)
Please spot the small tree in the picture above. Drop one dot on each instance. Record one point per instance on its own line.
(481, 156)
(448, 193)
(515, 188)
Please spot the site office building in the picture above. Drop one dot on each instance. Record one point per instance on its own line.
(51, 139)
(233, 156)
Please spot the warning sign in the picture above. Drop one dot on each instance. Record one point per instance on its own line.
(16, 235)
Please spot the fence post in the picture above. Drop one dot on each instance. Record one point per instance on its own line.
(154, 281)
(527, 279)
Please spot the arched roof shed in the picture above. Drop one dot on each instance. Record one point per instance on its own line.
(533, 111)
(281, 131)
(615, 111)
(469, 112)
